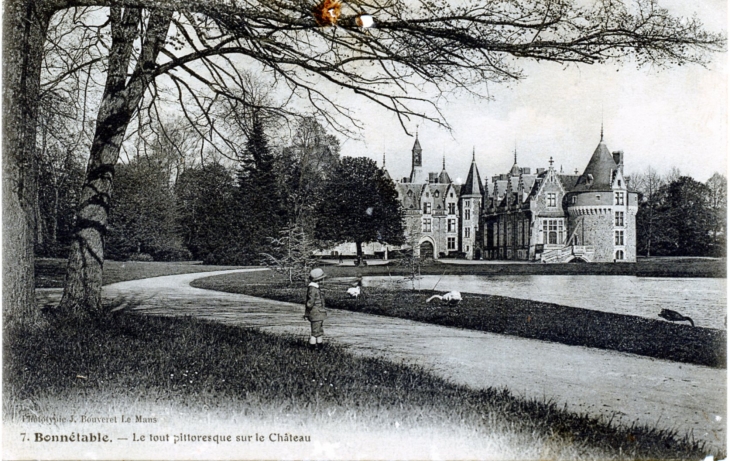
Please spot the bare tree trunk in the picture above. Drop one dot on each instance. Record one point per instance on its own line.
(24, 31)
(82, 290)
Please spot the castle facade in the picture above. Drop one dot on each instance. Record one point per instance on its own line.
(549, 216)
(544, 215)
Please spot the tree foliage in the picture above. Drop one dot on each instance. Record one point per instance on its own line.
(262, 212)
(684, 219)
(143, 215)
(210, 215)
(360, 205)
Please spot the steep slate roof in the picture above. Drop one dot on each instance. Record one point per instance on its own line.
(417, 146)
(568, 181)
(473, 184)
(439, 202)
(600, 167)
(414, 201)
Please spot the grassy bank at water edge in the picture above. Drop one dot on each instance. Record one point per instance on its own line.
(499, 314)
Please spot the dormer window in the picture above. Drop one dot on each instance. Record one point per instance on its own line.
(552, 199)
(427, 208)
(427, 195)
(619, 183)
(436, 194)
(589, 180)
(619, 198)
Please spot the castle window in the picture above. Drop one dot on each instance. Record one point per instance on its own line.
(574, 200)
(427, 195)
(426, 224)
(410, 193)
(598, 197)
(426, 207)
(554, 230)
(619, 255)
(619, 237)
(436, 194)
(619, 196)
(467, 214)
(619, 219)
(467, 232)
(451, 225)
(451, 243)
(451, 195)
(452, 208)
(552, 199)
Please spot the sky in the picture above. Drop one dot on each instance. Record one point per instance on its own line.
(663, 118)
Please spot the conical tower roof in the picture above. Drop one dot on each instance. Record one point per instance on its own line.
(417, 145)
(385, 172)
(473, 184)
(597, 175)
(444, 176)
(515, 171)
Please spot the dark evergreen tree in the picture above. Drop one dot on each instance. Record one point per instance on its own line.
(360, 204)
(261, 209)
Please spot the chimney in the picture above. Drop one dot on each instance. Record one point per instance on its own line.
(618, 157)
(540, 170)
(525, 171)
(433, 177)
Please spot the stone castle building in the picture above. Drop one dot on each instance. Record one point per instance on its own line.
(441, 217)
(553, 217)
(543, 215)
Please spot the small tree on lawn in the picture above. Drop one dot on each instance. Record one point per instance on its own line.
(292, 254)
(360, 205)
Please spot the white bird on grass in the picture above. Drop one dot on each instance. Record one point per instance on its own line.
(452, 297)
(355, 291)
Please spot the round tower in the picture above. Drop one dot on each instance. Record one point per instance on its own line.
(602, 210)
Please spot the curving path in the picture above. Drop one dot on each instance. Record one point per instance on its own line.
(687, 398)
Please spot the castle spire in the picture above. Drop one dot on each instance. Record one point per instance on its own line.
(601, 130)
(473, 153)
(443, 164)
(383, 160)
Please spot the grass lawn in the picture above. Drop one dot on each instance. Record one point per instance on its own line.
(245, 374)
(196, 370)
(498, 314)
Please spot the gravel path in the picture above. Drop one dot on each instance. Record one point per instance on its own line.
(687, 398)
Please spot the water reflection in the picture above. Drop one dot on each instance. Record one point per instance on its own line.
(703, 299)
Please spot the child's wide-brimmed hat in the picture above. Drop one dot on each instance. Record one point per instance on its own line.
(316, 275)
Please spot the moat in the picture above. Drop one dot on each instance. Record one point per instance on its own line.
(702, 299)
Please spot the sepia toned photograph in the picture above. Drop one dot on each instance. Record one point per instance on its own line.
(364, 229)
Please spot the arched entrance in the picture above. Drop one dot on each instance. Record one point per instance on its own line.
(426, 249)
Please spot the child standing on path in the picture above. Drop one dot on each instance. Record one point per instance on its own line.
(314, 308)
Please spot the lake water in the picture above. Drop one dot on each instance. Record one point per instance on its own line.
(703, 299)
